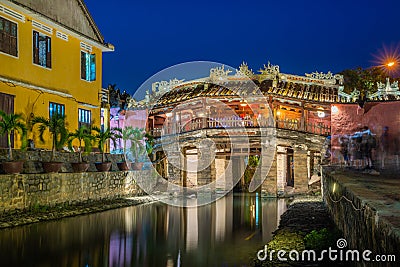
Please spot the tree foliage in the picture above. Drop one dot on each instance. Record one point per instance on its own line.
(56, 125)
(102, 138)
(10, 123)
(364, 80)
(84, 136)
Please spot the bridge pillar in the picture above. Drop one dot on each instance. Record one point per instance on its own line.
(300, 170)
(269, 186)
(206, 166)
(238, 169)
(228, 173)
(175, 166)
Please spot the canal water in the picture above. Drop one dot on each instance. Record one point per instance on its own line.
(228, 232)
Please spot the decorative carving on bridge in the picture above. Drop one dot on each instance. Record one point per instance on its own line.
(269, 69)
(219, 73)
(352, 97)
(160, 88)
(157, 90)
(244, 70)
(132, 103)
(327, 77)
(386, 90)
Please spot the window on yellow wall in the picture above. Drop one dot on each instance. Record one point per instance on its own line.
(41, 49)
(56, 108)
(8, 37)
(84, 117)
(88, 66)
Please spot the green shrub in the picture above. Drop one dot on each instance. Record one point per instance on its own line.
(321, 239)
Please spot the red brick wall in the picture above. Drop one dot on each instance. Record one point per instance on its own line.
(350, 118)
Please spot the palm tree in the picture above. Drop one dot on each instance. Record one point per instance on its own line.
(84, 136)
(102, 138)
(125, 135)
(57, 128)
(138, 145)
(11, 123)
(149, 143)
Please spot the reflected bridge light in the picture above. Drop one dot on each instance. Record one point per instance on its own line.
(334, 109)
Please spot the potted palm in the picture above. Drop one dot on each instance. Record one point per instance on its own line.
(125, 135)
(12, 123)
(138, 147)
(56, 125)
(102, 138)
(84, 136)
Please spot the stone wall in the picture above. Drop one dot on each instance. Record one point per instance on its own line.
(363, 227)
(269, 186)
(300, 171)
(20, 191)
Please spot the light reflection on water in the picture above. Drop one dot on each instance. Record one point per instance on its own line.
(226, 233)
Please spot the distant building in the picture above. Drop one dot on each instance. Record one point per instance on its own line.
(51, 61)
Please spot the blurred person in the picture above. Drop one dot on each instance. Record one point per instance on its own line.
(344, 149)
(384, 146)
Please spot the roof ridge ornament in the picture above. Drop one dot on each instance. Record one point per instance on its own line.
(244, 70)
(219, 73)
(327, 77)
(386, 89)
(352, 97)
(269, 69)
(157, 90)
(161, 87)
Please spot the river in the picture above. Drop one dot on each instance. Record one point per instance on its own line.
(228, 232)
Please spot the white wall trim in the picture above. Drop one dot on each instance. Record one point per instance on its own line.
(12, 13)
(35, 87)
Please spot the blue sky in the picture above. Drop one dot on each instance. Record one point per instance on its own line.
(300, 36)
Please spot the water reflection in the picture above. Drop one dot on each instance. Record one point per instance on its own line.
(225, 233)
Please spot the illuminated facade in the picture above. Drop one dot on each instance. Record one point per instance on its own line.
(51, 61)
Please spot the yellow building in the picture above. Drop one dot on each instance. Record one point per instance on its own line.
(51, 61)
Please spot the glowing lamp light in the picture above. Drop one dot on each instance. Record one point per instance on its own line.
(278, 113)
(243, 104)
(334, 188)
(390, 64)
(321, 114)
(334, 109)
(169, 114)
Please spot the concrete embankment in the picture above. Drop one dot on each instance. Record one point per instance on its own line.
(366, 209)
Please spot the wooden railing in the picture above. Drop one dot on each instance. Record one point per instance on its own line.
(315, 128)
(237, 122)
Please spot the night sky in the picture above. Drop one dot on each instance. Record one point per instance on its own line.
(300, 36)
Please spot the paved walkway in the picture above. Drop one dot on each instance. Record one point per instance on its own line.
(381, 192)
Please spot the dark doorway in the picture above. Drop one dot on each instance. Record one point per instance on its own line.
(6, 105)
